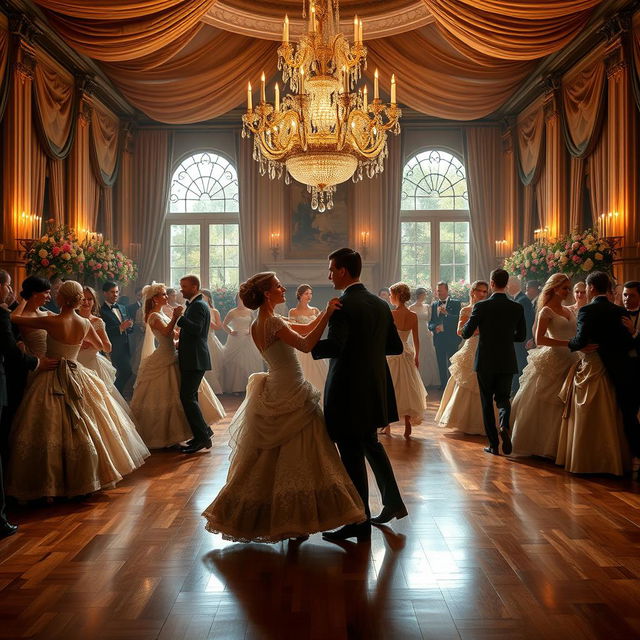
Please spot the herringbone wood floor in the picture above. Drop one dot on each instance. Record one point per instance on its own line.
(491, 549)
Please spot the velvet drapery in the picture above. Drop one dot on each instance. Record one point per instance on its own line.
(530, 139)
(391, 191)
(105, 137)
(4, 64)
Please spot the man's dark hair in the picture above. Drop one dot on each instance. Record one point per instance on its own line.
(108, 285)
(442, 283)
(500, 278)
(347, 259)
(4, 276)
(600, 281)
(632, 284)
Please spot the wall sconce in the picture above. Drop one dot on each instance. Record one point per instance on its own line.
(274, 244)
(501, 249)
(364, 243)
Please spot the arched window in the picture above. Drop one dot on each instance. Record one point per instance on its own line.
(435, 243)
(203, 221)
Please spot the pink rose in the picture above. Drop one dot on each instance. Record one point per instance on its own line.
(533, 269)
(535, 261)
(66, 247)
(55, 251)
(44, 262)
(582, 249)
(567, 246)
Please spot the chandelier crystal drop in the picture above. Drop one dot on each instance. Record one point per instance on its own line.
(324, 132)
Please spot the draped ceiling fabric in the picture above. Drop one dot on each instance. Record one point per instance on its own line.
(530, 136)
(105, 137)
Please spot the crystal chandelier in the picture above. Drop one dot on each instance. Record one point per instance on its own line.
(323, 133)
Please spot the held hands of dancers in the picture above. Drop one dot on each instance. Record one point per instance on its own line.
(332, 305)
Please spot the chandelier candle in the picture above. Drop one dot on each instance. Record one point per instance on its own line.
(325, 131)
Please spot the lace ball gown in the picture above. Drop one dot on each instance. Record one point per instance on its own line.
(286, 478)
(411, 396)
(314, 371)
(69, 436)
(428, 362)
(241, 356)
(156, 402)
(536, 411)
(216, 351)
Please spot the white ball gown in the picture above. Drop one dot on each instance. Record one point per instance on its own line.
(69, 436)
(156, 402)
(286, 478)
(428, 362)
(241, 356)
(411, 396)
(216, 351)
(314, 371)
(536, 410)
(592, 436)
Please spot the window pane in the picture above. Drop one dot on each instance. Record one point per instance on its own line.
(446, 231)
(415, 252)
(446, 253)
(454, 251)
(224, 255)
(462, 231)
(216, 256)
(231, 234)
(216, 234)
(232, 256)
(446, 273)
(184, 251)
(193, 234)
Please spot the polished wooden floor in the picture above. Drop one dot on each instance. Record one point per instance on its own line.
(491, 549)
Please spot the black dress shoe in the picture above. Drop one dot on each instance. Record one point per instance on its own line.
(388, 514)
(360, 531)
(7, 529)
(196, 446)
(506, 441)
(209, 435)
(493, 450)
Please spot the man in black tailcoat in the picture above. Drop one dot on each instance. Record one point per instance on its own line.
(515, 291)
(359, 396)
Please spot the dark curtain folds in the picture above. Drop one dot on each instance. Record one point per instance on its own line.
(530, 136)
(105, 137)
(4, 64)
(635, 45)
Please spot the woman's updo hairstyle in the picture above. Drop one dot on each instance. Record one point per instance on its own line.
(149, 292)
(400, 292)
(34, 284)
(252, 291)
(303, 288)
(70, 294)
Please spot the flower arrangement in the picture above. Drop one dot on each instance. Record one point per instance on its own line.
(104, 262)
(57, 253)
(224, 300)
(460, 290)
(532, 262)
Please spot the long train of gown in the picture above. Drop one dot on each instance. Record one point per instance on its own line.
(156, 402)
(592, 436)
(215, 375)
(241, 356)
(428, 362)
(460, 407)
(285, 478)
(314, 371)
(411, 396)
(536, 411)
(69, 436)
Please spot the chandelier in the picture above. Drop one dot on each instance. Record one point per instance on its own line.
(325, 131)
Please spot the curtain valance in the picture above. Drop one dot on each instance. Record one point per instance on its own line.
(104, 145)
(530, 134)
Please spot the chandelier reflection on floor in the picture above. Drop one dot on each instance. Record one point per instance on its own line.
(324, 133)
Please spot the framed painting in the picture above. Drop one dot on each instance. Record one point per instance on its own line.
(313, 235)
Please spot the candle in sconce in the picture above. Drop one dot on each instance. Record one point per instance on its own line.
(285, 29)
(365, 98)
(249, 98)
(313, 19)
(376, 86)
(355, 29)
(360, 39)
(393, 89)
(263, 89)
(277, 97)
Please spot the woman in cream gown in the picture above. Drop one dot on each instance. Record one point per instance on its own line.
(241, 358)
(536, 412)
(314, 371)
(285, 479)
(69, 437)
(460, 407)
(411, 396)
(428, 362)
(156, 403)
(215, 375)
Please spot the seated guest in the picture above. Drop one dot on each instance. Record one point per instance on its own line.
(10, 302)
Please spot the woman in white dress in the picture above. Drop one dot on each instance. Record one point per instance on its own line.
(460, 407)
(536, 412)
(428, 363)
(34, 294)
(91, 357)
(285, 479)
(411, 396)
(156, 395)
(314, 371)
(216, 350)
(241, 358)
(580, 295)
(69, 437)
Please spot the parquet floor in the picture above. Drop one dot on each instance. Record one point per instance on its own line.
(491, 549)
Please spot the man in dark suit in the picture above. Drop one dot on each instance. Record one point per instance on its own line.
(359, 396)
(12, 359)
(500, 322)
(445, 313)
(51, 304)
(118, 327)
(602, 323)
(194, 359)
(137, 331)
(515, 291)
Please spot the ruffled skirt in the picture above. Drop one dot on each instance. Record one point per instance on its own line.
(411, 396)
(215, 374)
(241, 359)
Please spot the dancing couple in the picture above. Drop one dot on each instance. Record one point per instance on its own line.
(286, 479)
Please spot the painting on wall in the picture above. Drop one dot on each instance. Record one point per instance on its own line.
(313, 235)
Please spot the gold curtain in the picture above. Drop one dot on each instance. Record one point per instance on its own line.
(38, 173)
(577, 168)
(123, 199)
(4, 63)
(106, 197)
(553, 208)
(128, 30)
(635, 57)
(105, 136)
(598, 176)
(510, 227)
(57, 193)
(55, 106)
(391, 192)
(510, 30)
(530, 136)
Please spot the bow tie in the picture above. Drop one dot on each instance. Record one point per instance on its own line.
(113, 306)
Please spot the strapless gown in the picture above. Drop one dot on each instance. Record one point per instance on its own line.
(314, 371)
(156, 402)
(411, 396)
(69, 437)
(428, 362)
(285, 478)
(460, 407)
(241, 356)
(215, 376)
(536, 411)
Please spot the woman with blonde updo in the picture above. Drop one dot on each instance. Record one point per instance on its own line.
(580, 295)
(285, 479)
(536, 411)
(69, 437)
(411, 396)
